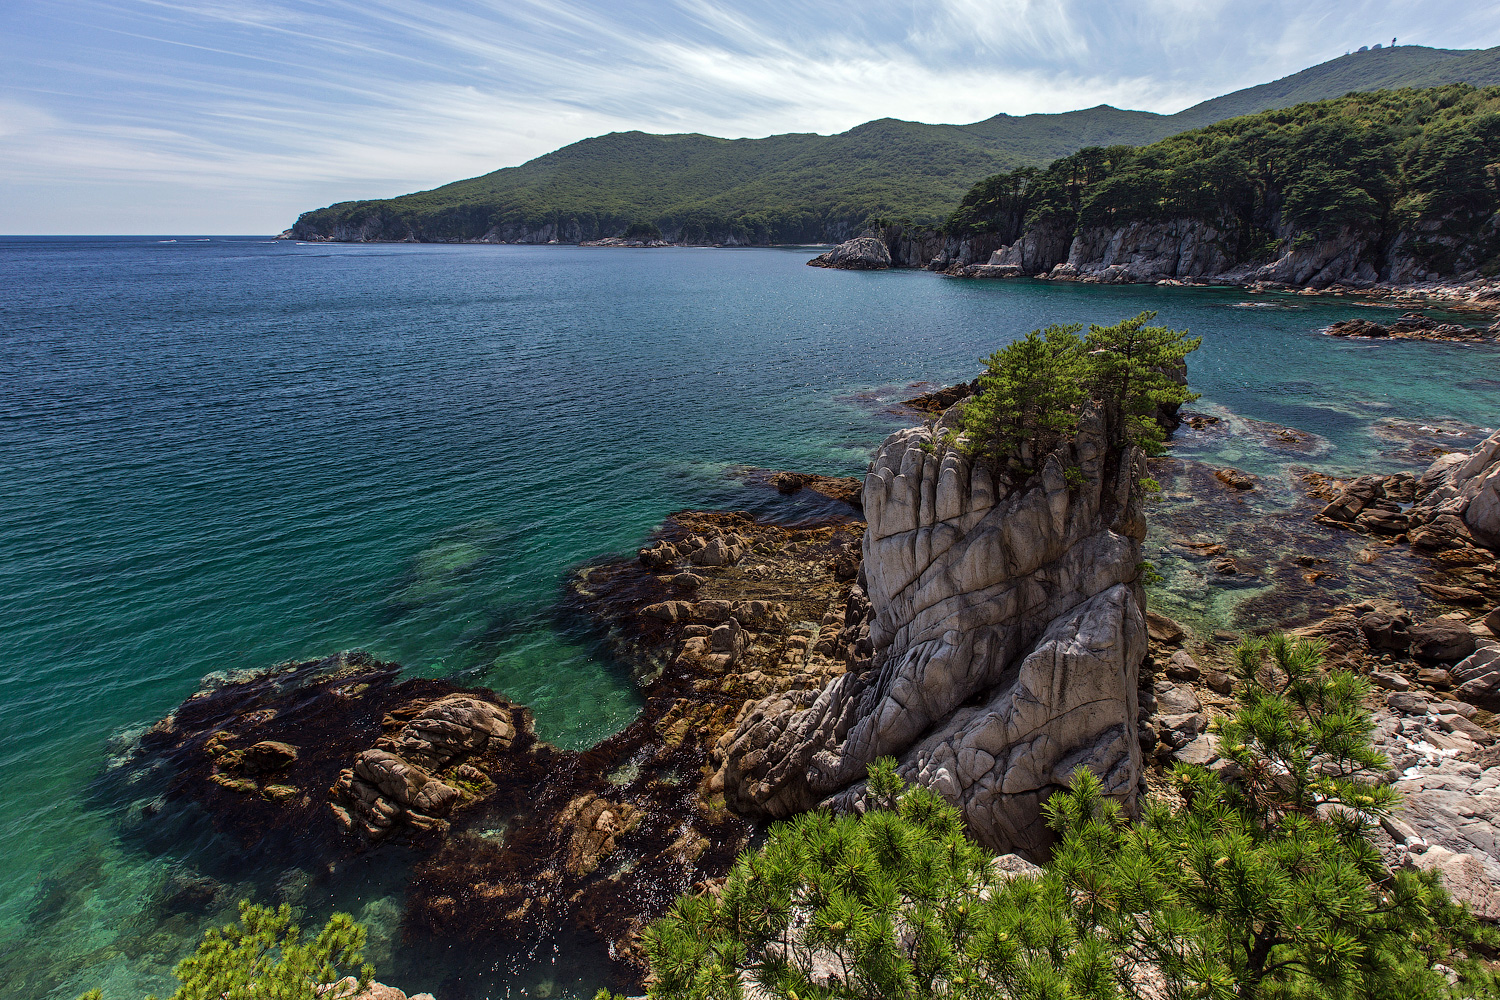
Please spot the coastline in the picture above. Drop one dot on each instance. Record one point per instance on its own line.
(604, 838)
(1479, 295)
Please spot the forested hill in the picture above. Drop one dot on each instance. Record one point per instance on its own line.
(814, 188)
(1393, 185)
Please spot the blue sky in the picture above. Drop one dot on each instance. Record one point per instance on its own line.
(231, 116)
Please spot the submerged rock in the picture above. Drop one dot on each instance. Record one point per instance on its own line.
(1235, 479)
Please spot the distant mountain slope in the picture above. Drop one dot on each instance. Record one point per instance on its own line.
(1387, 185)
(1378, 69)
(803, 187)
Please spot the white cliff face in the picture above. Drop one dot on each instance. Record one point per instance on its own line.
(1466, 485)
(1007, 628)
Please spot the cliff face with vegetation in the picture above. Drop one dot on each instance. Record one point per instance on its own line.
(801, 188)
(1394, 186)
(1007, 627)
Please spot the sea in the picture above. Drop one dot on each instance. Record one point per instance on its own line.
(220, 453)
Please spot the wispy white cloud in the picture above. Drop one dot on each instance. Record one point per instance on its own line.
(233, 115)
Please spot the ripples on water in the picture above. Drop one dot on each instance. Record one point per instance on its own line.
(221, 454)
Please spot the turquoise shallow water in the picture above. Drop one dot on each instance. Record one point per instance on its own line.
(221, 454)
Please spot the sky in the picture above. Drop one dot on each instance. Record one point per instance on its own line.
(233, 116)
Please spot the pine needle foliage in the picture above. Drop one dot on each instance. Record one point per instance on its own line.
(1262, 881)
(1256, 881)
(265, 957)
(896, 903)
(1029, 396)
(1033, 390)
(1136, 370)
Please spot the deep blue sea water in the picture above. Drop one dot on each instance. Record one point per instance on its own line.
(222, 453)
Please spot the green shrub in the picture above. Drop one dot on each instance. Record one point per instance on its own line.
(1029, 396)
(899, 901)
(1032, 391)
(263, 957)
(1258, 882)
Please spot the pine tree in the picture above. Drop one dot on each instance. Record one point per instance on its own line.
(1263, 881)
(1136, 370)
(263, 957)
(1028, 397)
(896, 903)
(1258, 881)
(1032, 391)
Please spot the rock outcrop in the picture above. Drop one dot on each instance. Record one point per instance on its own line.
(399, 781)
(508, 838)
(1006, 628)
(1411, 326)
(1188, 251)
(1450, 515)
(1467, 486)
(863, 253)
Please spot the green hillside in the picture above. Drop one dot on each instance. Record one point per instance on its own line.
(811, 188)
(1412, 166)
(1378, 69)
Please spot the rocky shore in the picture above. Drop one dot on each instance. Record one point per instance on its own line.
(318, 763)
(620, 241)
(991, 635)
(1180, 253)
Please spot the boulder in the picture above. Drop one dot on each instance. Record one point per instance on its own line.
(1182, 666)
(1007, 628)
(662, 555)
(1478, 674)
(455, 726)
(1390, 681)
(1163, 630)
(1357, 328)
(1466, 485)
(393, 784)
(1354, 497)
(405, 783)
(1441, 641)
(1235, 479)
(1406, 703)
(1435, 677)
(1175, 699)
(1383, 631)
(1177, 731)
(1202, 751)
(1219, 681)
(718, 552)
(863, 253)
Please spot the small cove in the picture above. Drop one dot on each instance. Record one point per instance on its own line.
(219, 455)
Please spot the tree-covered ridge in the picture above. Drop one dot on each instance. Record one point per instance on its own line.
(807, 187)
(1382, 163)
